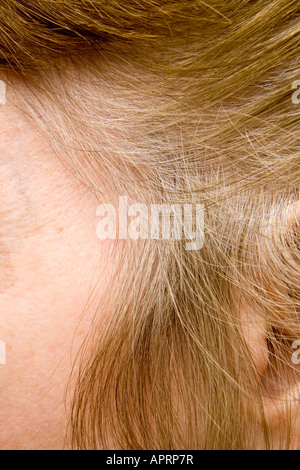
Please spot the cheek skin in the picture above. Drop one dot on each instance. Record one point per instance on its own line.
(54, 260)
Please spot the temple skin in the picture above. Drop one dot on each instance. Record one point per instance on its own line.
(51, 263)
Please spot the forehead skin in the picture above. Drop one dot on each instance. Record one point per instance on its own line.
(51, 260)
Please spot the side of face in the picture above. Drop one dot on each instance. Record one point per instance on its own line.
(51, 265)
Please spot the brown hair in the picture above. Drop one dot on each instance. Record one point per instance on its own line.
(175, 102)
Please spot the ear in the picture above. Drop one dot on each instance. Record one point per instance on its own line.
(254, 330)
(272, 330)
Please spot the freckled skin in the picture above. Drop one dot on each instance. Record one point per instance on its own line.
(50, 261)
